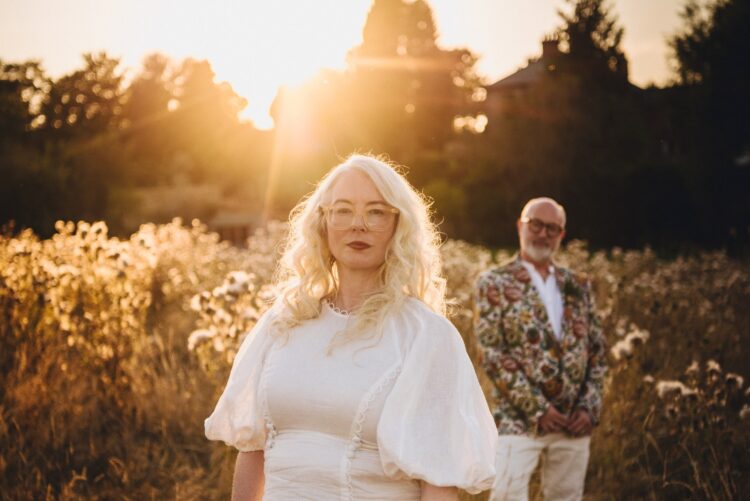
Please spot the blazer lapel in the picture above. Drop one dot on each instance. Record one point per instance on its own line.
(562, 278)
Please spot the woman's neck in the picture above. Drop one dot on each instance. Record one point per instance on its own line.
(354, 288)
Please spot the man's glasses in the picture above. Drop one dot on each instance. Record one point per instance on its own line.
(376, 217)
(537, 225)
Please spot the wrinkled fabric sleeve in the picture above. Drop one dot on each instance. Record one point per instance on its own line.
(436, 425)
(238, 418)
(495, 356)
(590, 397)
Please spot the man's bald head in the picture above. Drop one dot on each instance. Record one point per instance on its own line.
(544, 201)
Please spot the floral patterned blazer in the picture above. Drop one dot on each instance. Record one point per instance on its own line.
(532, 369)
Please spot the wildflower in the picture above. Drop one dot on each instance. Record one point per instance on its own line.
(638, 335)
(105, 351)
(249, 314)
(713, 367)
(198, 336)
(745, 412)
(624, 347)
(67, 269)
(196, 302)
(693, 368)
(218, 343)
(83, 229)
(237, 282)
(671, 411)
(221, 316)
(99, 228)
(665, 388)
(145, 239)
(621, 349)
(734, 380)
(124, 261)
(691, 396)
(648, 379)
(620, 328)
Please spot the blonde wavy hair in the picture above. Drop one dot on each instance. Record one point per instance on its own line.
(307, 271)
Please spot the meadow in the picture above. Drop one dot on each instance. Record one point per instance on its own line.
(113, 351)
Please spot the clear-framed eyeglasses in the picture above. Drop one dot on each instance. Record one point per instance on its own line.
(537, 225)
(343, 215)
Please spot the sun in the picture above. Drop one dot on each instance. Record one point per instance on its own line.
(258, 46)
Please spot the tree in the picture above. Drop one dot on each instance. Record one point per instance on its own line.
(85, 102)
(593, 37)
(399, 96)
(22, 88)
(147, 122)
(397, 28)
(414, 88)
(710, 57)
(148, 96)
(28, 185)
(576, 131)
(206, 116)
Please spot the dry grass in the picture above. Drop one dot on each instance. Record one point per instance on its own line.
(101, 397)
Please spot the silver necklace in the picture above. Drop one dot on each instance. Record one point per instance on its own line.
(335, 308)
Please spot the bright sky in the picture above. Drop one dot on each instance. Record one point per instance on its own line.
(258, 45)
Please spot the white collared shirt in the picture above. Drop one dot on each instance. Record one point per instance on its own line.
(550, 294)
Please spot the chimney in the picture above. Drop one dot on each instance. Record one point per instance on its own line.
(550, 47)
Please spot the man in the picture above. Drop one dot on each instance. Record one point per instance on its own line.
(542, 346)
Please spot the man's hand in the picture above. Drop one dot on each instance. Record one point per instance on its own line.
(552, 421)
(579, 423)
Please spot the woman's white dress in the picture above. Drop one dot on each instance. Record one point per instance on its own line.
(365, 422)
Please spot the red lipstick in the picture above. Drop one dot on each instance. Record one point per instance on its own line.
(357, 245)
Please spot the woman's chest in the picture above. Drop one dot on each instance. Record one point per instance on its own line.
(309, 389)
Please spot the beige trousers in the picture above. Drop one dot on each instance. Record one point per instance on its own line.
(564, 462)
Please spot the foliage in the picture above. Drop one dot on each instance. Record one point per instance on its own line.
(660, 166)
(113, 351)
(709, 54)
(86, 101)
(400, 95)
(100, 394)
(593, 38)
(75, 147)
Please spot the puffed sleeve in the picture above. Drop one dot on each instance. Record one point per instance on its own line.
(436, 425)
(238, 419)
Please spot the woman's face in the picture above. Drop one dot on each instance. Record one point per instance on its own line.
(354, 197)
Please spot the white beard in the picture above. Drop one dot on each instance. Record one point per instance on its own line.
(539, 254)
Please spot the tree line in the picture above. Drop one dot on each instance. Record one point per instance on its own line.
(665, 166)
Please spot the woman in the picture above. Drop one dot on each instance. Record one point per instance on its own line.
(354, 385)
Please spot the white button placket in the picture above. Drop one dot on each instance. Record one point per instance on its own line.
(270, 433)
(355, 435)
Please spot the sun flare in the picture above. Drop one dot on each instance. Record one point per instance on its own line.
(257, 47)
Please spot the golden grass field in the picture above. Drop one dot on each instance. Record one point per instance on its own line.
(112, 352)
